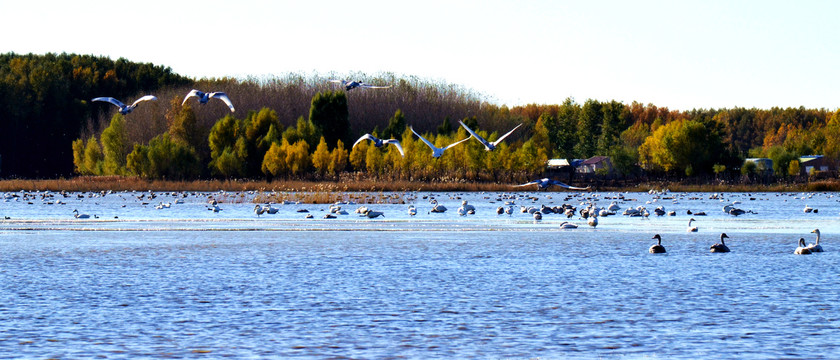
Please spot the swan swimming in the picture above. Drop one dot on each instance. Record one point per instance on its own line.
(802, 249)
(437, 208)
(691, 228)
(545, 183)
(204, 97)
(350, 85)
(125, 109)
(657, 248)
(816, 247)
(379, 142)
(489, 146)
(77, 215)
(720, 247)
(436, 151)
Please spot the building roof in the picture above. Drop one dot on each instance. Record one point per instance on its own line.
(594, 160)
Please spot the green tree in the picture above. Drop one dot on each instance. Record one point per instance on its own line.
(396, 126)
(115, 146)
(274, 162)
(588, 128)
(93, 157)
(328, 112)
(79, 157)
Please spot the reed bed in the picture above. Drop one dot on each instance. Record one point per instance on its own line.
(331, 191)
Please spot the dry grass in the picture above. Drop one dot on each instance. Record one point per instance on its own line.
(344, 189)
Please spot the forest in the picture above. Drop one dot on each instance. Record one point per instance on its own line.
(299, 126)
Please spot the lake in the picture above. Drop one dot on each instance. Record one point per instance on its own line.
(187, 282)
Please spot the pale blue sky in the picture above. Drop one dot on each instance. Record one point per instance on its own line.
(676, 54)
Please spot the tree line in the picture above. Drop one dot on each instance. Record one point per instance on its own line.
(302, 126)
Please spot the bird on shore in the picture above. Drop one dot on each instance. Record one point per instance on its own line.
(350, 85)
(802, 249)
(489, 146)
(657, 248)
(720, 247)
(545, 183)
(380, 143)
(816, 247)
(125, 109)
(204, 97)
(436, 151)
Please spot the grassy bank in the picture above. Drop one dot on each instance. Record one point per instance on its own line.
(116, 183)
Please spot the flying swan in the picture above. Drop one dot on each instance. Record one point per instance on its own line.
(436, 151)
(380, 143)
(489, 146)
(125, 109)
(204, 97)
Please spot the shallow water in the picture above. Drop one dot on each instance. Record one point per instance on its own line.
(188, 282)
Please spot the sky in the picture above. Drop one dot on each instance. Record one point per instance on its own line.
(677, 54)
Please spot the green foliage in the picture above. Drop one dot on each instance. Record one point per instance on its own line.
(396, 126)
(445, 127)
(304, 130)
(93, 158)
(749, 168)
(794, 168)
(79, 156)
(588, 129)
(46, 99)
(115, 146)
(328, 112)
(163, 158)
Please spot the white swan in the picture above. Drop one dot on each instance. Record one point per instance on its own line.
(436, 151)
(720, 247)
(204, 97)
(437, 208)
(691, 228)
(487, 145)
(545, 183)
(657, 248)
(567, 225)
(350, 85)
(77, 215)
(412, 210)
(125, 109)
(379, 142)
(593, 221)
(802, 249)
(816, 247)
(258, 210)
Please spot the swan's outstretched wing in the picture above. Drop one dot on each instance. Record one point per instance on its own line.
(560, 184)
(396, 143)
(364, 137)
(535, 182)
(222, 96)
(456, 143)
(424, 139)
(192, 93)
(476, 136)
(342, 82)
(111, 100)
(499, 140)
(369, 86)
(144, 98)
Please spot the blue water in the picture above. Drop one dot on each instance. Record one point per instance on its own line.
(186, 282)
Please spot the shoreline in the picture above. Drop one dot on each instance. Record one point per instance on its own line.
(118, 183)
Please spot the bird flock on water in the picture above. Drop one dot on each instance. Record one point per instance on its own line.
(577, 210)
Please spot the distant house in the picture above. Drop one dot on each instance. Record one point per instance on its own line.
(763, 166)
(558, 164)
(810, 163)
(594, 164)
